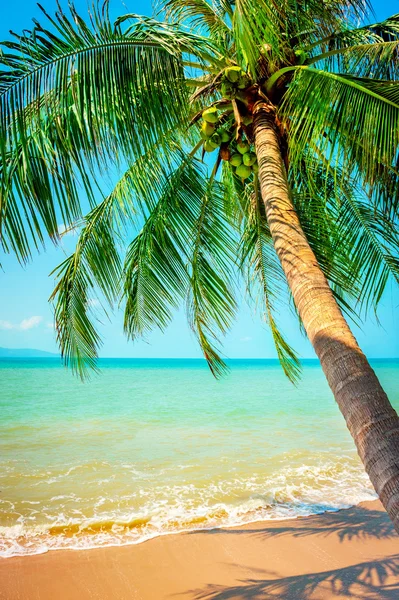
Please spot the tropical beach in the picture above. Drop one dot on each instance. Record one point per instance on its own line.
(154, 479)
(352, 554)
(199, 348)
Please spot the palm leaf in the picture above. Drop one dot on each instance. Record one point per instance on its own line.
(95, 262)
(354, 242)
(350, 121)
(211, 304)
(134, 197)
(63, 116)
(372, 242)
(156, 276)
(377, 60)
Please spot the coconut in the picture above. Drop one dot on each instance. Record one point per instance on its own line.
(224, 136)
(233, 74)
(249, 159)
(215, 139)
(207, 129)
(210, 115)
(243, 171)
(242, 147)
(236, 160)
(255, 168)
(243, 82)
(227, 90)
(209, 146)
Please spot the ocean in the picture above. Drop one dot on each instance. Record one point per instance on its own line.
(150, 447)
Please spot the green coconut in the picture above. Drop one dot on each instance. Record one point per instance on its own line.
(207, 129)
(255, 168)
(209, 146)
(249, 159)
(242, 147)
(224, 136)
(233, 74)
(215, 139)
(236, 160)
(227, 90)
(243, 171)
(243, 82)
(210, 115)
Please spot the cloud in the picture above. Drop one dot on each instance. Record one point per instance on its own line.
(24, 325)
(30, 323)
(246, 339)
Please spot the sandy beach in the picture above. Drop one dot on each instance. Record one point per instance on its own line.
(353, 554)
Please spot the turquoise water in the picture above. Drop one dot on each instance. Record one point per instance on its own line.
(154, 446)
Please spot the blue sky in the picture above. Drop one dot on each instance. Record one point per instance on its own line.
(26, 317)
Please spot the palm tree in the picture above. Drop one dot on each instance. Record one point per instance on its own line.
(298, 108)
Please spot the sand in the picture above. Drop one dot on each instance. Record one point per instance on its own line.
(350, 554)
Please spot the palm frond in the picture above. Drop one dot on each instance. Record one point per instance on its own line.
(211, 305)
(376, 60)
(133, 198)
(347, 35)
(351, 122)
(266, 33)
(371, 241)
(354, 242)
(156, 276)
(202, 15)
(95, 263)
(68, 97)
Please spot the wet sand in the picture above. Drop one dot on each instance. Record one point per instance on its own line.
(350, 554)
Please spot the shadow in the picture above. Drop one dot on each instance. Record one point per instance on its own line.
(352, 523)
(368, 580)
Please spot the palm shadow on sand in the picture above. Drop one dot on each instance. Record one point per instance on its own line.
(371, 580)
(352, 523)
(367, 580)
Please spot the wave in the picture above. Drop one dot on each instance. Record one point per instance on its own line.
(164, 509)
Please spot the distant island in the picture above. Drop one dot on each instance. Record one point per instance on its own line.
(25, 353)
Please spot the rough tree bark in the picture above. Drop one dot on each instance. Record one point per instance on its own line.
(371, 420)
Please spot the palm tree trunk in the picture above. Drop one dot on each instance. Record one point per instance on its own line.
(371, 420)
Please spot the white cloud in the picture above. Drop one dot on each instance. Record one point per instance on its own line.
(246, 339)
(30, 322)
(50, 325)
(24, 325)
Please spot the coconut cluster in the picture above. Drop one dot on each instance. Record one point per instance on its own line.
(213, 134)
(243, 159)
(233, 82)
(219, 128)
(239, 153)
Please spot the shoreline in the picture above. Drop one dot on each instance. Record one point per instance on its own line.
(192, 530)
(349, 553)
